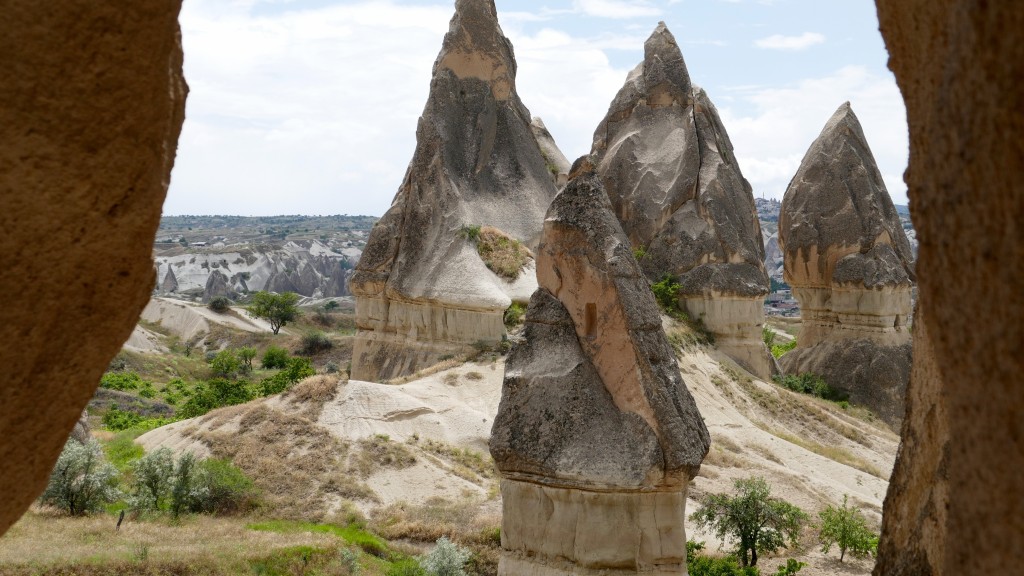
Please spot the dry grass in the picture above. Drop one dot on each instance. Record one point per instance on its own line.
(835, 453)
(378, 452)
(503, 255)
(464, 463)
(474, 376)
(313, 393)
(430, 370)
(195, 545)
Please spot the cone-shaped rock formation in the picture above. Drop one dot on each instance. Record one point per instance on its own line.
(851, 267)
(422, 291)
(674, 183)
(596, 437)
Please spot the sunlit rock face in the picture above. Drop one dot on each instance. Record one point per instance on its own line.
(93, 102)
(422, 291)
(667, 164)
(851, 267)
(596, 437)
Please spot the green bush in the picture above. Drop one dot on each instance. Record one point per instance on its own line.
(809, 383)
(790, 567)
(846, 527)
(698, 564)
(513, 314)
(471, 233)
(446, 559)
(117, 420)
(225, 364)
(81, 481)
(406, 567)
(151, 480)
(779, 349)
(219, 304)
(275, 357)
(314, 343)
(122, 381)
(223, 488)
(216, 393)
(768, 335)
(666, 292)
(297, 369)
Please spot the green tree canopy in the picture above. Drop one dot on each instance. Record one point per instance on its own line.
(278, 309)
(847, 528)
(755, 519)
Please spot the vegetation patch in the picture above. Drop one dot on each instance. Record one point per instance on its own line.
(502, 254)
(835, 453)
(666, 294)
(377, 452)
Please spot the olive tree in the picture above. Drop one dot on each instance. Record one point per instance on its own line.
(81, 480)
(277, 309)
(753, 518)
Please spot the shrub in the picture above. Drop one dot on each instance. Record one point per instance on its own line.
(513, 314)
(640, 253)
(122, 381)
(81, 481)
(768, 335)
(184, 490)
(847, 528)
(666, 292)
(225, 364)
(406, 567)
(117, 420)
(755, 519)
(275, 357)
(331, 305)
(471, 233)
(245, 356)
(446, 559)
(214, 394)
(223, 488)
(297, 369)
(809, 383)
(779, 349)
(152, 475)
(219, 304)
(332, 368)
(314, 343)
(790, 567)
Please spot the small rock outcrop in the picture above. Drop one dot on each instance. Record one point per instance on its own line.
(597, 436)
(422, 290)
(668, 167)
(556, 162)
(93, 102)
(851, 267)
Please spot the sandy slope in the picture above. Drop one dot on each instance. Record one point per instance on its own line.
(755, 428)
(187, 320)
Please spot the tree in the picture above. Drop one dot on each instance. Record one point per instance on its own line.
(278, 309)
(759, 522)
(225, 364)
(847, 528)
(246, 354)
(82, 480)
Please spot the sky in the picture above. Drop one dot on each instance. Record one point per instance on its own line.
(310, 106)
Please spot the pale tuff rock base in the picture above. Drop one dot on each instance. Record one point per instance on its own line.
(93, 102)
(956, 501)
(736, 324)
(477, 163)
(596, 436)
(549, 530)
(851, 267)
(668, 167)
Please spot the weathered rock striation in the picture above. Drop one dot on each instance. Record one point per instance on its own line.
(956, 500)
(93, 102)
(557, 164)
(667, 164)
(596, 437)
(851, 267)
(421, 289)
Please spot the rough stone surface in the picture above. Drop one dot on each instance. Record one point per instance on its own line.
(668, 166)
(596, 431)
(956, 500)
(93, 102)
(421, 288)
(556, 162)
(81, 431)
(851, 267)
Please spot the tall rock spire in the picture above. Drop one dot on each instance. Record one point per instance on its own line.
(851, 267)
(422, 290)
(668, 167)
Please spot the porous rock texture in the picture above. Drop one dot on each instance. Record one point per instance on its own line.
(668, 166)
(956, 498)
(92, 104)
(851, 267)
(422, 291)
(596, 437)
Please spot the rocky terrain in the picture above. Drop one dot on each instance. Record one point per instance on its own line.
(668, 166)
(423, 288)
(852, 269)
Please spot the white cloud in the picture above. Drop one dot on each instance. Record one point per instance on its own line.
(773, 135)
(780, 42)
(616, 8)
